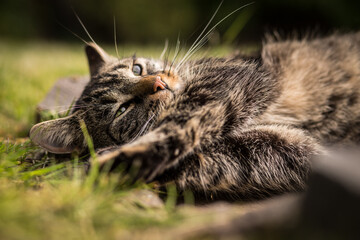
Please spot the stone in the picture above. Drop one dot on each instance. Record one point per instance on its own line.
(144, 198)
(329, 209)
(61, 97)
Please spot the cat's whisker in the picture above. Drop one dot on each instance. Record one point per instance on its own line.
(204, 39)
(116, 46)
(177, 50)
(166, 59)
(63, 108)
(123, 52)
(207, 25)
(62, 111)
(193, 52)
(143, 128)
(81, 107)
(82, 113)
(74, 105)
(55, 107)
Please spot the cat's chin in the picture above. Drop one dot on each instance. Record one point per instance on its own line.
(163, 95)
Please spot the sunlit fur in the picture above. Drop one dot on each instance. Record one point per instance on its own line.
(237, 127)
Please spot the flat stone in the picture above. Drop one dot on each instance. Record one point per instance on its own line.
(61, 97)
(329, 209)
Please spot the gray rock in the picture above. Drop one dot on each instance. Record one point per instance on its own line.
(329, 209)
(61, 97)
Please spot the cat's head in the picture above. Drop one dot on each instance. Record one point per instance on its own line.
(118, 104)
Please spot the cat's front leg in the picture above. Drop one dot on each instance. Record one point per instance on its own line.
(178, 133)
(154, 152)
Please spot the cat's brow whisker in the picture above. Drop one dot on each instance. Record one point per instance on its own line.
(165, 49)
(76, 35)
(83, 26)
(116, 46)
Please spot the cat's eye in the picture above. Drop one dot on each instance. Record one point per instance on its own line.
(120, 111)
(137, 69)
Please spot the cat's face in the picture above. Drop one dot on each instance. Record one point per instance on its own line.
(118, 105)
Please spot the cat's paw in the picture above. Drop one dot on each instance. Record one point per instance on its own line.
(105, 159)
(105, 151)
(137, 159)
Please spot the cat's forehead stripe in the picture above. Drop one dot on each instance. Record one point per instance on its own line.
(118, 66)
(100, 92)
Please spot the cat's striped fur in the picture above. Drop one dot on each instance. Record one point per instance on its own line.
(235, 127)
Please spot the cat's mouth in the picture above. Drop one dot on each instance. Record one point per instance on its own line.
(164, 87)
(160, 84)
(166, 81)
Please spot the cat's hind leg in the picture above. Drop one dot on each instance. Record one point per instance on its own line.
(261, 161)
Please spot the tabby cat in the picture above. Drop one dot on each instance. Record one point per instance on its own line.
(240, 127)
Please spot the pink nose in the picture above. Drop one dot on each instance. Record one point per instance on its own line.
(159, 84)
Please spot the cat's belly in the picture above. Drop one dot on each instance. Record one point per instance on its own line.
(330, 119)
(319, 85)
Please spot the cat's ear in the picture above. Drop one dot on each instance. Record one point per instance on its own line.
(59, 136)
(96, 56)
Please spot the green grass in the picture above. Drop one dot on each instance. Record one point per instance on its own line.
(29, 69)
(58, 201)
(47, 199)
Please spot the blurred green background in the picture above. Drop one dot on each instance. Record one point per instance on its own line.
(145, 21)
(36, 49)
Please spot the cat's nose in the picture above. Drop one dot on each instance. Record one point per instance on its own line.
(159, 84)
